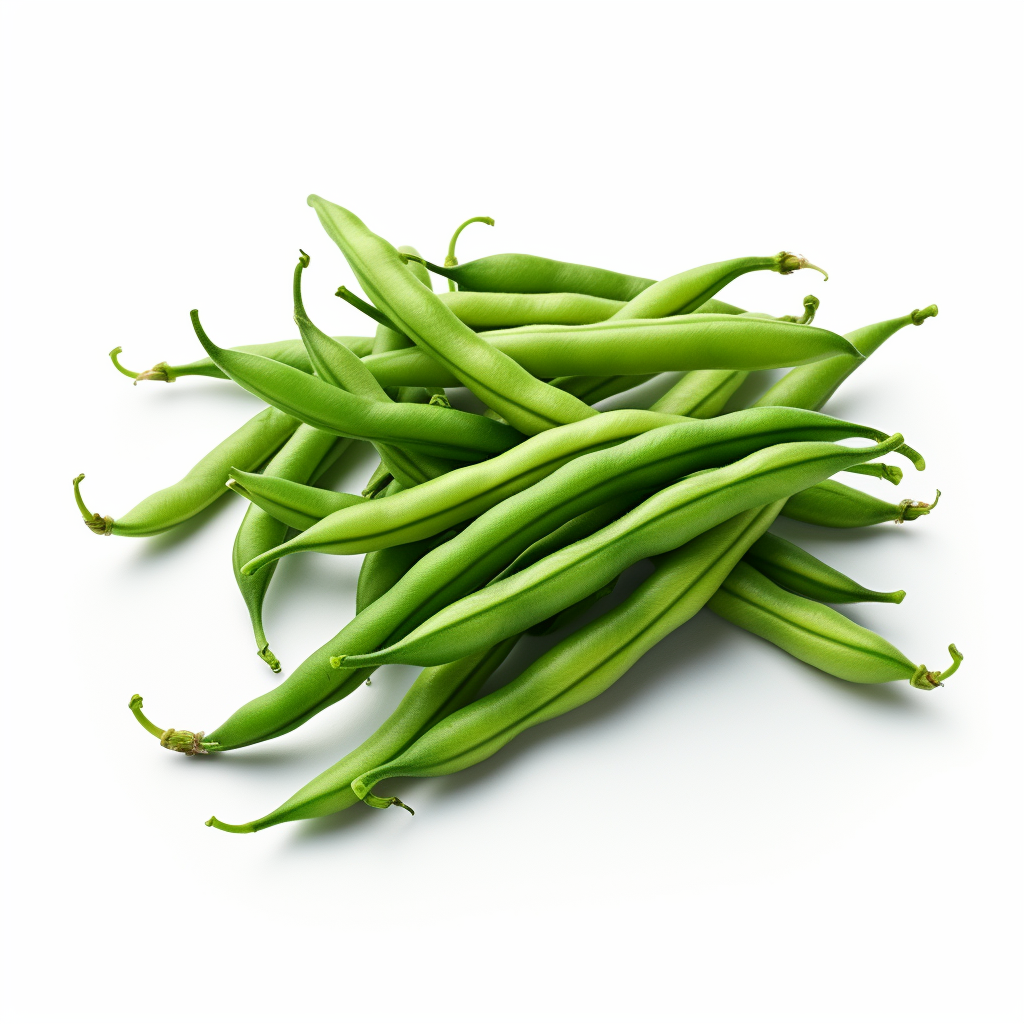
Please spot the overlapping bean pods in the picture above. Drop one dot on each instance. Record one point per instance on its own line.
(477, 528)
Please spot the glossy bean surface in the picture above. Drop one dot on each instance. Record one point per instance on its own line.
(837, 505)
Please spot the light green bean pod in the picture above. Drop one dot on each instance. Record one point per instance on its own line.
(249, 446)
(817, 634)
(299, 506)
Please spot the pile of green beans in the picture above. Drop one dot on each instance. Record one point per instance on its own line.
(477, 528)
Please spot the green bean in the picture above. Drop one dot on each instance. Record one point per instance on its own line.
(490, 310)
(447, 433)
(811, 387)
(692, 342)
(498, 381)
(306, 452)
(516, 272)
(249, 446)
(383, 568)
(336, 365)
(466, 493)
(583, 665)
(703, 393)
(788, 565)
(834, 504)
(668, 519)
(817, 634)
(291, 503)
(291, 352)
(685, 292)
(436, 693)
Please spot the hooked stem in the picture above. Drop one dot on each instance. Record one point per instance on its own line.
(159, 372)
(790, 261)
(371, 311)
(384, 802)
(911, 510)
(181, 740)
(224, 827)
(922, 679)
(450, 260)
(299, 310)
(103, 525)
(919, 316)
(811, 304)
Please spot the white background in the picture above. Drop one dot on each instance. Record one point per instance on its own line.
(726, 835)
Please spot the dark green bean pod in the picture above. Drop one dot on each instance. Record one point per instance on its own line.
(466, 493)
(291, 353)
(810, 387)
(583, 665)
(670, 518)
(834, 504)
(817, 634)
(696, 341)
(685, 292)
(788, 565)
(306, 452)
(437, 693)
(516, 272)
(299, 506)
(446, 433)
(336, 365)
(523, 401)
(249, 446)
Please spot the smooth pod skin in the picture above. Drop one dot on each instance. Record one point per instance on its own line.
(697, 341)
(517, 272)
(665, 521)
(337, 365)
(685, 292)
(446, 433)
(834, 504)
(382, 569)
(490, 310)
(817, 634)
(788, 565)
(466, 493)
(810, 387)
(249, 446)
(291, 352)
(584, 664)
(306, 452)
(526, 403)
(291, 503)
(436, 693)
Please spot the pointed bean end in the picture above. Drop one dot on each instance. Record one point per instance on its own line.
(224, 827)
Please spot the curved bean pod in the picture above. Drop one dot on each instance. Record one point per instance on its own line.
(383, 568)
(291, 503)
(834, 504)
(880, 470)
(447, 433)
(385, 340)
(291, 353)
(436, 693)
(583, 665)
(810, 387)
(684, 292)
(817, 634)
(788, 565)
(249, 446)
(306, 452)
(466, 493)
(670, 518)
(498, 381)
(337, 365)
(517, 272)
